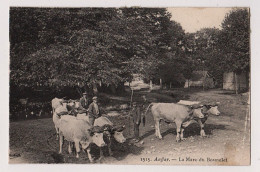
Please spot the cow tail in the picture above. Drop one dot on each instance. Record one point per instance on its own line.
(143, 119)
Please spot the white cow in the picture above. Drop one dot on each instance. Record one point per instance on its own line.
(109, 130)
(171, 112)
(79, 132)
(57, 107)
(56, 102)
(207, 110)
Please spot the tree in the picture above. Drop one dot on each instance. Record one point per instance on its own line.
(85, 46)
(234, 42)
(172, 60)
(205, 53)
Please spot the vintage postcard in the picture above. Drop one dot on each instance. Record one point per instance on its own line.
(130, 86)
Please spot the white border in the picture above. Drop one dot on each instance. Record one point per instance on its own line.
(4, 74)
(129, 3)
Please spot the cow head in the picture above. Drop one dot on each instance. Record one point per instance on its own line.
(64, 104)
(97, 136)
(76, 104)
(72, 104)
(118, 134)
(211, 109)
(196, 111)
(107, 129)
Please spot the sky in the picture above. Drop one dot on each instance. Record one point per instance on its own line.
(194, 19)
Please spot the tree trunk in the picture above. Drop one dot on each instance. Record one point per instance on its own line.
(170, 85)
(203, 84)
(188, 83)
(95, 90)
(161, 83)
(151, 85)
(235, 76)
(132, 93)
(238, 82)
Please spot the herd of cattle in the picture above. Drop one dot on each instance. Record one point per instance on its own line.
(75, 128)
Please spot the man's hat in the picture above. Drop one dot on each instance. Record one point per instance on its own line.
(94, 98)
(84, 93)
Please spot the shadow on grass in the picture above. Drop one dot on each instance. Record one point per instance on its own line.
(147, 134)
(227, 93)
(58, 158)
(120, 151)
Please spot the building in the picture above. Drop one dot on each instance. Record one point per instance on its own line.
(229, 81)
(200, 79)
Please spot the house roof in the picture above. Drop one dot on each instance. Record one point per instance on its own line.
(199, 75)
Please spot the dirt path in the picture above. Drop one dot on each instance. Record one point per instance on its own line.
(33, 141)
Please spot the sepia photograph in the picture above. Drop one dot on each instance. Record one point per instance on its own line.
(130, 86)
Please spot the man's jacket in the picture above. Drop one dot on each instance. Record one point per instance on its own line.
(93, 110)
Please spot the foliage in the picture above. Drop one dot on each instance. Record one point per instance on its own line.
(85, 46)
(204, 52)
(173, 61)
(219, 51)
(234, 41)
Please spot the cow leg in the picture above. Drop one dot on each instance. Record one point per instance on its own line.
(178, 130)
(101, 155)
(57, 132)
(182, 130)
(56, 128)
(202, 132)
(109, 148)
(77, 148)
(89, 155)
(61, 143)
(157, 129)
(69, 150)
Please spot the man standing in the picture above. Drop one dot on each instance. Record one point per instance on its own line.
(93, 111)
(83, 102)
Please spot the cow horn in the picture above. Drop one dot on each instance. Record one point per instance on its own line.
(213, 104)
(217, 103)
(120, 128)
